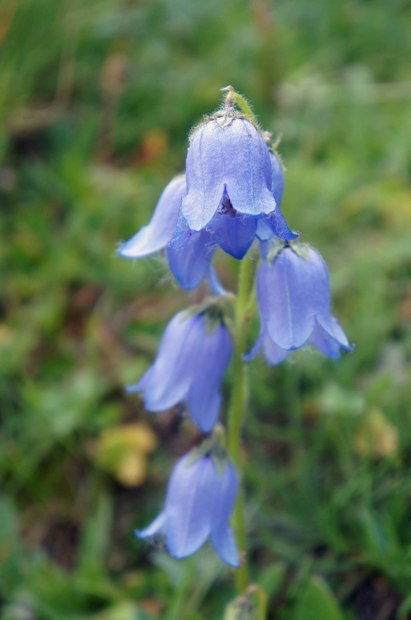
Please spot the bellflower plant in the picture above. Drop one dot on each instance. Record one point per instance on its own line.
(294, 301)
(192, 360)
(230, 199)
(201, 211)
(199, 501)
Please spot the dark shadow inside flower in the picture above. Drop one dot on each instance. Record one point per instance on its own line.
(231, 231)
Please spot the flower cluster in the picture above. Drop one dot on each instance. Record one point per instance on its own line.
(230, 195)
(229, 198)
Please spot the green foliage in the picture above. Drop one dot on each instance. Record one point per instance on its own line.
(317, 602)
(96, 100)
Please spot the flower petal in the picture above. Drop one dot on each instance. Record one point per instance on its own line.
(283, 292)
(232, 157)
(254, 351)
(234, 233)
(277, 178)
(188, 506)
(205, 175)
(224, 496)
(153, 529)
(159, 232)
(189, 255)
(329, 337)
(274, 225)
(273, 354)
(167, 381)
(248, 170)
(209, 366)
(216, 286)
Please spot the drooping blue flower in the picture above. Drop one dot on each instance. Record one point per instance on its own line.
(274, 224)
(227, 158)
(294, 302)
(189, 368)
(199, 501)
(189, 252)
(159, 232)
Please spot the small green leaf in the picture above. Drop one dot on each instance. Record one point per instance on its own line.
(317, 601)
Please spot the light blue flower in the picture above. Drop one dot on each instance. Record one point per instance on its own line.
(189, 368)
(294, 302)
(227, 157)
(189, 252)
(200, 498)
(159, 232)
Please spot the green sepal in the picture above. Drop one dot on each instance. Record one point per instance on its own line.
(218, 310)
(299, 248)
(215, 447)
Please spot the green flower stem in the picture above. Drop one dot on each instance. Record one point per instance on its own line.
(233, 97)
(236, 409)
(181, 593)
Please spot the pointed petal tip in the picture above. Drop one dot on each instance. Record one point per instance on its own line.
(226, 548)
(154, 528)
(123, 250)
(133, 389)
(329, 338)
(215, 285)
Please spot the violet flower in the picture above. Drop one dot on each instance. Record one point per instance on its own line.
(189, 368)
(227, 157)
(190, 252)
(294, 302)
(200, 498)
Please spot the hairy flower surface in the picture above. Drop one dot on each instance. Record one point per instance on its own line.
(189, 368)
(190, 252)
(294, 302)
(227, 157)
(200, 498)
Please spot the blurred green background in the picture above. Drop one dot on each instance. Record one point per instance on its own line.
(96, 100)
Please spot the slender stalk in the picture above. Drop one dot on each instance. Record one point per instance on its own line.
(236, 409)
(181, 593)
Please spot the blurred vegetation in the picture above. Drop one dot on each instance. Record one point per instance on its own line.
(96, 100)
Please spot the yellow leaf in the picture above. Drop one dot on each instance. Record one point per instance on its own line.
(122, 451)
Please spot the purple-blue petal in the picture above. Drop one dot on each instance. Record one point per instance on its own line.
(189, 255)
(272, 353)
(233, 232)
(205, 175)
(248, 171)
(209, 364)
(280, 227)
(274, 225)
(216, 286)
(155, 527)
(159, 232)
(234, 158)
(283, 293)
(277, 179)
(224, 496)
(329, 337)
(225, 545)
(318, 283)
(188, 508)
(167, 381)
